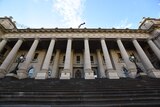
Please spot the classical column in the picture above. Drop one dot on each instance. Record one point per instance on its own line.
(157, 43)
(154, 48)
(22, 72)
(89, 74)
(130, 66)
(55, 65)
(147, 64)
(44, 72)
(2, 44)
(66, 73)
(100, 65)
(111, 73)
(9, 58)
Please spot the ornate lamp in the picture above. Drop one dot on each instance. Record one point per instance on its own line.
(19, 60)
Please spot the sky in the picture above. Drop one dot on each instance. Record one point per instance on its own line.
(71, 13)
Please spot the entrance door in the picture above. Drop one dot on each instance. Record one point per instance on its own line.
(78, 74)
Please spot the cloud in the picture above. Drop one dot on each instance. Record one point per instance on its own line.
(70, 10)
(124, 24)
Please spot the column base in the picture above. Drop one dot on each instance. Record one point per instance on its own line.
(112, 74)
(154, 73)
(132, 73)
(2, 73)
(12, 75)
(89, 74)
(65, 75)
(41, 75)
(22, 74)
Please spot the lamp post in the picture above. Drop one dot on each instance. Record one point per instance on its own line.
(19, 60)
(81, 25)
(132, 58)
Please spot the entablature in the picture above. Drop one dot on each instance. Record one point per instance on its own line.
(77, 35)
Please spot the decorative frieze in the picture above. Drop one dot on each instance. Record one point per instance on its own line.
(77, 35)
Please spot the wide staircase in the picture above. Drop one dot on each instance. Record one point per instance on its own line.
(124, 92)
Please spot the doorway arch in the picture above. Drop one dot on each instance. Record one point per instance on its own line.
(78, 73)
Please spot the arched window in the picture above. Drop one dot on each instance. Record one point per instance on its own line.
(31, 72)
(78, 74)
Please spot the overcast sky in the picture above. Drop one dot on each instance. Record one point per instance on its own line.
(71, 13)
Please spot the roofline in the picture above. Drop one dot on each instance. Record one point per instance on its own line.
(9, 20)
(145, 19)
(82, 30)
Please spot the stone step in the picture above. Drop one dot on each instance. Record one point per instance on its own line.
(83, 92)
(129, 95)
(155, 104)
(48, 89)
(51, 101)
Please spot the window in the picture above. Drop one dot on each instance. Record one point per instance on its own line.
(35, 57)
(120, 59)
(92, 59)
(78, 59)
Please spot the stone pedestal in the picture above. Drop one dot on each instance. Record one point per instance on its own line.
(41, 75)
(112, 74)
(2, 73)
(132, 73)
(89, 74)
(65, 74)
(12, 75)
(154, 73)
(22, 74)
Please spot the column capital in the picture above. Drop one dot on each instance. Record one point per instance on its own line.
(53, 38)
(21, 39)
(134, 39)
(149, 39)
(86, 38)
(102, 38)
(118, 38)
(70, 39)
(37, 38)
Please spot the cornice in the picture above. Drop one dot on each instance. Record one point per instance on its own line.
(145, 19)
(75, 30)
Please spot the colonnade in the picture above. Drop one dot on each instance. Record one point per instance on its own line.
(88, 72)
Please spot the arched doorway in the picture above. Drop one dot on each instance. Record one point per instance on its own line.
(78, 74)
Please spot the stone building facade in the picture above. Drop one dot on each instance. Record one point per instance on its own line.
(87, 53)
